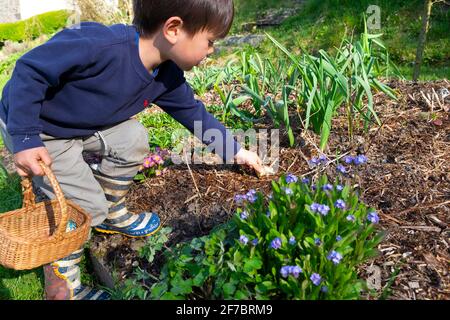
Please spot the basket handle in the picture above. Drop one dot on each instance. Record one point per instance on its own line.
(29, 199)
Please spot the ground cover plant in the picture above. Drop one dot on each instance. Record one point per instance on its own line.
(302, 241)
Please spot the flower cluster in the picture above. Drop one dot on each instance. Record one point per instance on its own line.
(351, 160)
(156, 159)
(244, 215)
(286, 271)
(276, 243)
(340, 204)
(316, 279)
(335, 257)
(249, 196)
(323, 209)
(359, 160)
(314, 162)
(244, 240)
(290, 178)
(153, 164)
(373, 217)
(153, 161)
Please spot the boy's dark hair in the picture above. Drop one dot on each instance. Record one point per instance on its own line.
(215, 16)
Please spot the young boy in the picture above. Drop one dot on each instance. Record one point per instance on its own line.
(78, 92)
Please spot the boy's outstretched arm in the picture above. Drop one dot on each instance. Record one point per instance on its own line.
(180, 103)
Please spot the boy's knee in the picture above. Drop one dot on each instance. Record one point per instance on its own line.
(137, 136)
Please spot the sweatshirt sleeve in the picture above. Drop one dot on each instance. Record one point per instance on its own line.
(35, 72)
(181, 104)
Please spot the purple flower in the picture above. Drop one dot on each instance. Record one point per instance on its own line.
(291, 178)
(316, 279)
(351, 217)
(290, 270)
(340, 204)
(314, 187)
(292, 241)
(323, 209)
(239, 198)
(244, 215)
(243, 239)
(285, 271)
(251, 196)
(335, 257)
(255, 242)
(327, 187)
(338, 238)
(341, 169)
(305, 180)
(314, 207)
(373, 217)
(317, 242)
(323, 158)
(276, 243)
(295, 271)
(339, 187)
(288, 191)
(348, 159)
(361, 159)
(324, 289)
(314, 162)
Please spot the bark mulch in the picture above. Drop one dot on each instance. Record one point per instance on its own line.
(407, 180)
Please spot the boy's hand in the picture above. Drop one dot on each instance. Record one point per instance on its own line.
(27, 164)
(250, 159)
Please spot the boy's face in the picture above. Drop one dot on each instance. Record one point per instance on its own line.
(189, 51)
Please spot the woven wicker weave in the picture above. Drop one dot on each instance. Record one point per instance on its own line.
(36, 235)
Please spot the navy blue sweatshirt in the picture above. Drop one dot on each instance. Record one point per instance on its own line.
(85, 79)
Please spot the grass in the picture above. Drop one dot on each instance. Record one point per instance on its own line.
(21, 285)
(427, 73)
(16, 285)
(24, 285)
(321, 24)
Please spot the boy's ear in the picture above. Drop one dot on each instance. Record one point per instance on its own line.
(172, 29)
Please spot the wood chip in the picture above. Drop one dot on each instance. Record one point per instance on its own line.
(422, 228)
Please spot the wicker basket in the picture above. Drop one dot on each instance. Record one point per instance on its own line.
(36, 235)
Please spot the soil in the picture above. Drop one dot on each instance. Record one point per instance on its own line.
(407, 179)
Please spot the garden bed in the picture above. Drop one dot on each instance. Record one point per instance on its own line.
(407, 179)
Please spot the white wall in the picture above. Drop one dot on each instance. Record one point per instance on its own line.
(29, 8)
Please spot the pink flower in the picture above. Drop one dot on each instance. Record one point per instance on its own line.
(148, 163)
(157, 159)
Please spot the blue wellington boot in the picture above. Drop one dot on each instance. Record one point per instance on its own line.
(119, 220)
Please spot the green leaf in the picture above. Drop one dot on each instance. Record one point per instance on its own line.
(252, 265)
(158, 290)
(229, 289)
(171, 296)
